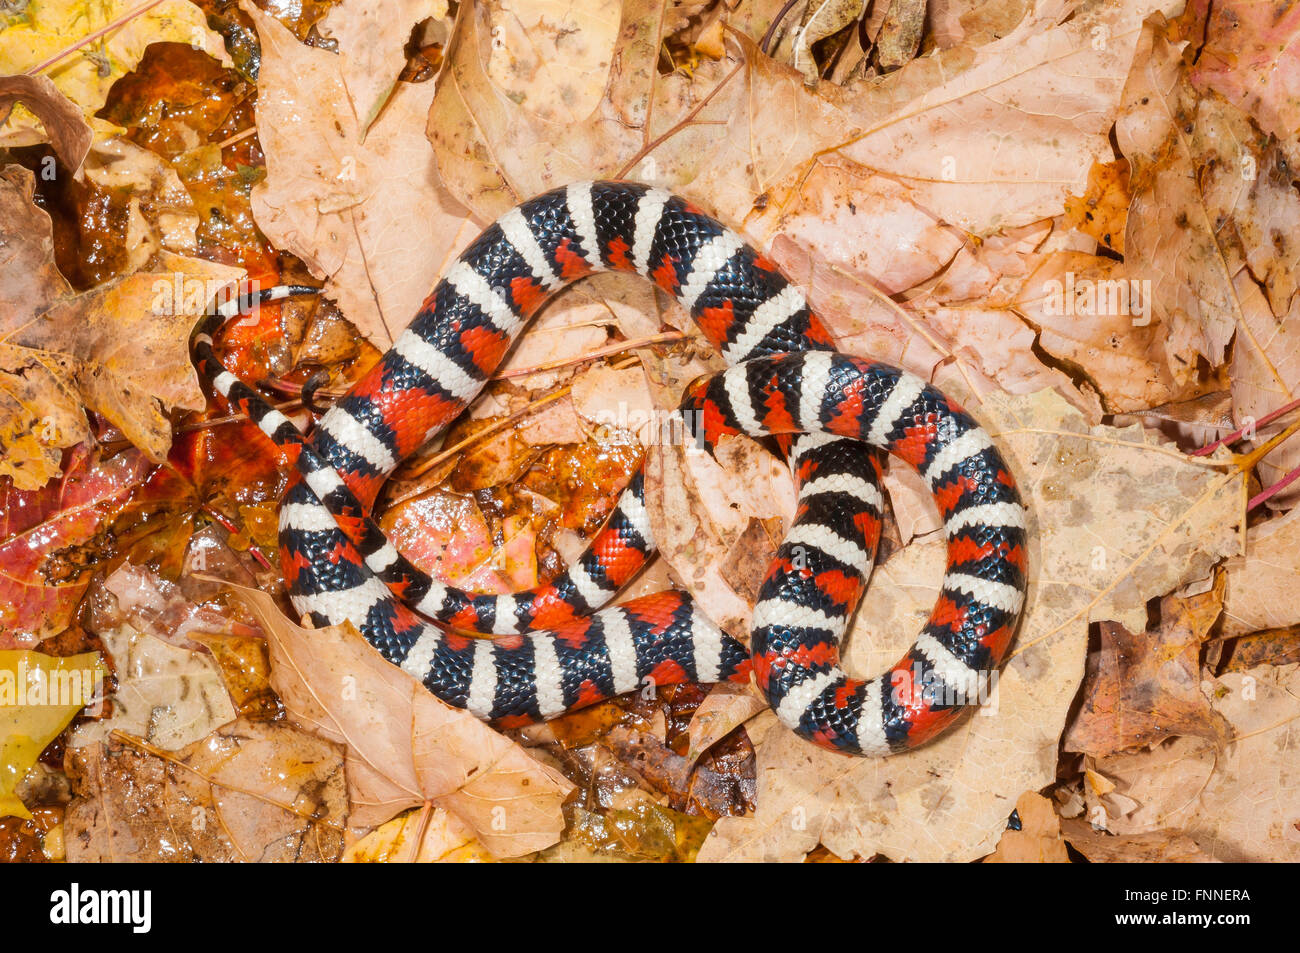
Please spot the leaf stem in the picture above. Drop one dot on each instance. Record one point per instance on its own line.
(1237, 434)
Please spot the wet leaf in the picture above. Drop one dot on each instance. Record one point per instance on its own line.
(250, 791)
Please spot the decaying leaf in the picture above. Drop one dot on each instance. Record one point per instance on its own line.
(1038, 841)
(39, 695)
(121, 349)
(405, 747)
(1164, 846)
(1143, 688)
(47, 540)
(1238, 804)
(250, 791)
(1264, 583)
(170, 697)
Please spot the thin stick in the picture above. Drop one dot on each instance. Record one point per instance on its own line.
(68, 51)
(616, 348)
(1237, 434)
(776, 22)
(231, 418)
(1276, 488)
(678, 126)
(501, 424)
(488, 431)
(230, 527)
(237, 137)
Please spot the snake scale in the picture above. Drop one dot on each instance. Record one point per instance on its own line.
(556, 648)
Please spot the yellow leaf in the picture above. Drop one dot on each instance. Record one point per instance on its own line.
(45, 28)
(425, 835)
(39, 695)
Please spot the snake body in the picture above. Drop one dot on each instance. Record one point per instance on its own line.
(556, 649)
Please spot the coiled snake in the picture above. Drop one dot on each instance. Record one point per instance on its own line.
(556, 648)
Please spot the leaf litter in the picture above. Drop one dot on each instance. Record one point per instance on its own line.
(1054, 210)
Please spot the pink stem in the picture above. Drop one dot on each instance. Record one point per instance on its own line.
(1277, 487)
(1237, 434)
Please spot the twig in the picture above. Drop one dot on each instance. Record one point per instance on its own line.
(501, 424)
(677, 126)
(489, 430)
(232, 418)
(230, 526)
(616, 348)
(1276, 488)
(237, 137)
(1237, 434)
(776, 22)
(85, 40)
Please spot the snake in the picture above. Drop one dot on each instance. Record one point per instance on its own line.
(518, 658)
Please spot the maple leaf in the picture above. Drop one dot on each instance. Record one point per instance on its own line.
(121, 349)
(370, 216)
(404, 746)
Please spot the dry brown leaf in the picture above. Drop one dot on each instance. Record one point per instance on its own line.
(1264, 584)
(940, 124)
(1102, 211)
(1143, 688)
(700, 508)
(1170, 236)
(121, 349)
(1265, 375)
(1240, 804)
(65, 125)
(405, 747)
(1248, 57)
(370, 217)
(372, 40)
(1162, 847)
(1117, 516)
(250, 791)
(952, 21)
(493, 151)
(551, 57)
(819, 19)
(1039, 839)
(727, 706)
(1084, 306)
(1267, 647)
